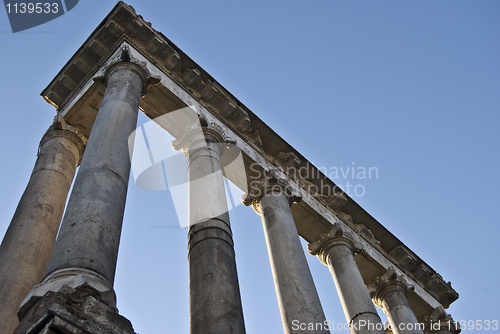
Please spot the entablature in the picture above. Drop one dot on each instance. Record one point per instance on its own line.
(77, 97)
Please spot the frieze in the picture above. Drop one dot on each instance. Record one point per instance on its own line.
(368, 234)
(287, 160)
(124, 25)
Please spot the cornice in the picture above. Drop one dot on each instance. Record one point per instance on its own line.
(123, 24)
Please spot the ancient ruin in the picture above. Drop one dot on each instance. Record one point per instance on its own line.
(66, 286)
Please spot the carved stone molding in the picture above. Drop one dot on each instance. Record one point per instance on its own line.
(123, 25)
(210, 131)
(336, 201)
(440, 322)
(125, 58)
(73, 310)
(386, 283)
(59, 127)
(367, 233)
(270, 183)
(404, 257)
(338, 235)
(219, 133)
(72, 277)
(287, 160)
(213, 94)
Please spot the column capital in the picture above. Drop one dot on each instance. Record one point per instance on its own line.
(439, 322)
(390, 281)
(125, 59)
(202, 129)
(269, 184)
(338, 235)
(59, 127)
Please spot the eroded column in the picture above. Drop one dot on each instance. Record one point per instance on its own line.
(87, 245)
(214, 295)
(336, 249)
(27, 245)
(297, 296)
(389, 293)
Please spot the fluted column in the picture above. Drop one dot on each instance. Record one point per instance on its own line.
(27, 245)
(297, 296)
(389, 293)
(336, 249)
(214, 294)
(87, 244)
(440, 322)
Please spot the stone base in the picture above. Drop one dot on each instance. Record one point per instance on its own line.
(73, 311)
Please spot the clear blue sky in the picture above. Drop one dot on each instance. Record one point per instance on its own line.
(409, 87)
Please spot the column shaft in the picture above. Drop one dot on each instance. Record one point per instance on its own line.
(400, 314)
(90, 232)
(356, 302)
(27, 245)
(336, 249)
(214, 295)
(389, 292)
(297, 296)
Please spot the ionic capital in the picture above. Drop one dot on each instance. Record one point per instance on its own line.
(338, 235)
(125, 60)
(202, 131)
(269, 184)
(58, 128)
(440, 322)
(386, 283)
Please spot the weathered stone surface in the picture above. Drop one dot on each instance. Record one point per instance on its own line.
(389, 292)
(27, 245)
(336, 250)
(185, 83)
(439, 322)
(73, 311)
(73, 278)
(297, 296)
(214, 295)
(90, 232)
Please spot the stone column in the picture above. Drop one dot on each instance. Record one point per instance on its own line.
(87, 245)
(439, 322)
(297, 296)
(27, 245)
(389, 293)
(214, 294)
(336, 249)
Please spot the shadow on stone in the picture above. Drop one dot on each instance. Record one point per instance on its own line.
(73, 311)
